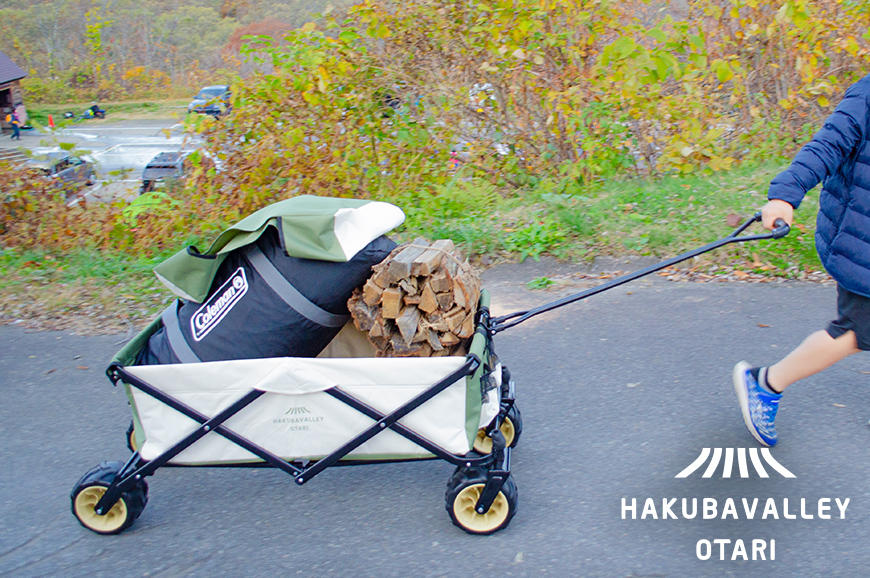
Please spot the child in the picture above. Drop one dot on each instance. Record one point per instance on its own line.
(839, 157)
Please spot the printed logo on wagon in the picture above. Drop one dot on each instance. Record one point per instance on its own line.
(298, 418)
(731, 463)
(218, 304)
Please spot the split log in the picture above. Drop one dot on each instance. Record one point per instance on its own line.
(372, 293)
(391, 302)
(407, 323)
(428, 303)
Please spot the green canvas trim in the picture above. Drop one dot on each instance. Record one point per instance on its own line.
(138, 430)
(365, 458)
(473, 401)
(127, 355)
(307, 227)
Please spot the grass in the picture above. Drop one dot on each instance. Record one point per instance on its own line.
(659, 218)
(80, 290)
(122, 110)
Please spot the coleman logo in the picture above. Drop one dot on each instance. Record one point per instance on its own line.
(218, 305)
(729, 456)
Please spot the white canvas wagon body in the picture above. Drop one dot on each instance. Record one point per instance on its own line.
(297, 418)
(303, 415)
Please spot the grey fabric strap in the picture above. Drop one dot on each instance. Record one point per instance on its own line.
(288, 293)
(177, 343)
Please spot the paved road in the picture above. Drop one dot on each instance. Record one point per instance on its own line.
(619, 393)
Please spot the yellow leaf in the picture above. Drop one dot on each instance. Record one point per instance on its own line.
(823, 101)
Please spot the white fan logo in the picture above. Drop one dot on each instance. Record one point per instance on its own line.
(755, 457)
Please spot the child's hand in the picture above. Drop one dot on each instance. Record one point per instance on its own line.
(776, 209)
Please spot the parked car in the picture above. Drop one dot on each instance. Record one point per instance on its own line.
(71, 170)
(164, 167)
(213, 100)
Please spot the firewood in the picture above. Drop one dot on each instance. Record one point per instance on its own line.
(459, 296)
(420, 301)
(391, 302)
(428, 302)
(432, 257)
(402, 349)
(407, 323)
(400, 264)
(379, 328)
(466, 330)
(372, 293)
(422, 334)
(441, 281)
(363, 317)
(448, 340)
(454, 318)
(436, 322)
(445, 300)
(409, 285)
(433, 340)
(380, 276)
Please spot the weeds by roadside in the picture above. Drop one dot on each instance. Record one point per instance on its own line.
(115, 111)
(115, 289)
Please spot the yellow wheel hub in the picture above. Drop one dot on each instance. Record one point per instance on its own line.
(483, 443)
(467, 516)
(86, 501)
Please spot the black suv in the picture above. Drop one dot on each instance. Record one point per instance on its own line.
(163, 167)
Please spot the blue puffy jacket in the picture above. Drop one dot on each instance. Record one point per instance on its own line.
(839, 158)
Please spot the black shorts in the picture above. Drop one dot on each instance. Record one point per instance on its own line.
(854, 312)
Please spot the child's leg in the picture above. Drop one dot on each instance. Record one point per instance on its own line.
(817, 352)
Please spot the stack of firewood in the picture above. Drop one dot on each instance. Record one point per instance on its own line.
(420, 301)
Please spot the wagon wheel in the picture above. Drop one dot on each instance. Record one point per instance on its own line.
(91, 487)
(464, 490)
(131, 438)
(511, 427)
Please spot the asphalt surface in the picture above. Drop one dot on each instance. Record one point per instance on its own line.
(619, 393)
(118, 149)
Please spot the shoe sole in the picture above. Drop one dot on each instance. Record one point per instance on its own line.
(743, 398)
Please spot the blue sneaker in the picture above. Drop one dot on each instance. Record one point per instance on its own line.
(757, 404)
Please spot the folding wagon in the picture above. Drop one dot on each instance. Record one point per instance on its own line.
(346, 406)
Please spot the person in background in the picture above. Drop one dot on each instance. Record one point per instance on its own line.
(12, 119)
(838, 156)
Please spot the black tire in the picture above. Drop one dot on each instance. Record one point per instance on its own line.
(131, 438)
(511, 427)
(516, 417)
(464, 489)
(90, 488)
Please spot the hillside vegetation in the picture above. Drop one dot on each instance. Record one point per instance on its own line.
(80, 50)
(520, 126)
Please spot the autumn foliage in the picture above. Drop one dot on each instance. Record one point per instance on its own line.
(390, 100)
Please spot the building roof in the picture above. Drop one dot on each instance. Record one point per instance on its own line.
(9, 71)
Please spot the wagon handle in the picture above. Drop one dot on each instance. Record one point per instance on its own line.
(503, 322)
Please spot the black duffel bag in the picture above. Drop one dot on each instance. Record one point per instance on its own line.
(263, 303)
